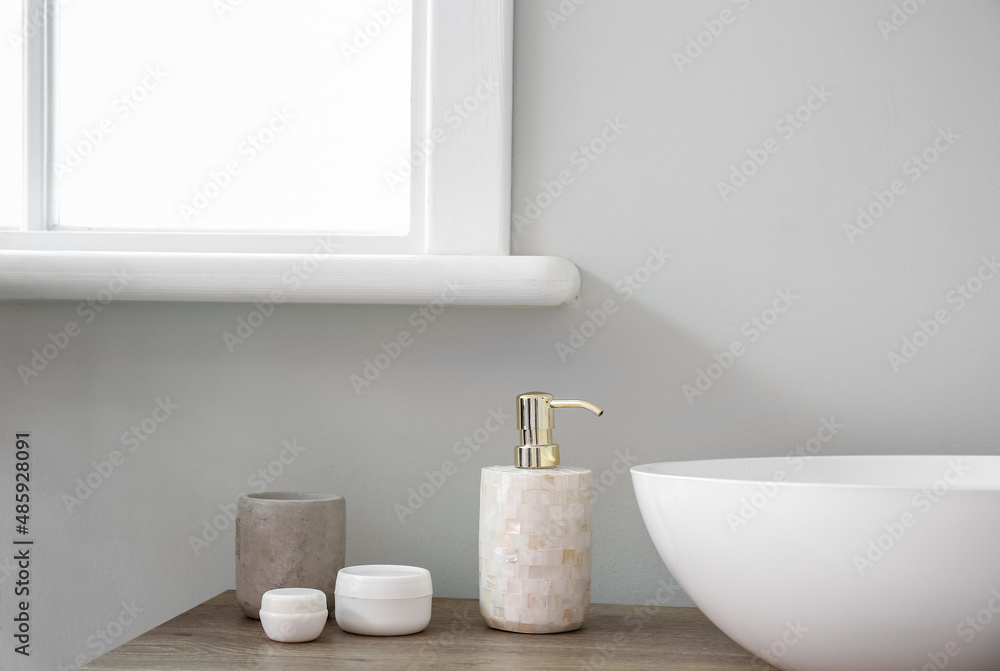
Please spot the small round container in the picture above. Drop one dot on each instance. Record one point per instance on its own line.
(383, 599)
(293, 614)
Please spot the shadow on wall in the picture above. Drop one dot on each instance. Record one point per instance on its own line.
(149, 427)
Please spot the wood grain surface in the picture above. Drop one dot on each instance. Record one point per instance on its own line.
(216, 636)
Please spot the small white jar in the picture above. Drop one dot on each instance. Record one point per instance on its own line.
(383, 599)
(293, 614)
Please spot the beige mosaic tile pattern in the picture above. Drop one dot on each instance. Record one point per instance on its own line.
(534, 548)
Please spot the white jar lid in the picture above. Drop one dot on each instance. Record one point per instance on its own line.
(383, 581)
(293, 600)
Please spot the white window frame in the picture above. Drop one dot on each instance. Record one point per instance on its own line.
(460, 208)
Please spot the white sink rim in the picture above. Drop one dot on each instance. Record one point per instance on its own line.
(696, 470)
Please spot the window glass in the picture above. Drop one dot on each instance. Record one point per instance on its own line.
(232, 115)
(11, 115)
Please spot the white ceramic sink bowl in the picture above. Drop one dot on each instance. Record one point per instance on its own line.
(867, 563)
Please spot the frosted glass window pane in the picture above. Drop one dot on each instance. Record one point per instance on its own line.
(229, 115)
(11, 117)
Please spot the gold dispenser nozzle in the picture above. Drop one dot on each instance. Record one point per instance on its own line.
(535, 421)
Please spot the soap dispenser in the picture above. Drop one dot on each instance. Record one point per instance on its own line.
(534, 530)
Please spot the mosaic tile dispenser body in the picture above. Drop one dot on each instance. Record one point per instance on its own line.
(535, 530)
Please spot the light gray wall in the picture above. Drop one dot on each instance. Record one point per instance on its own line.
(655, 187)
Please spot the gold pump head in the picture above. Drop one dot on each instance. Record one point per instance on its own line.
(535, 421)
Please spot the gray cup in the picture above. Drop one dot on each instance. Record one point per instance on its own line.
(288, 539)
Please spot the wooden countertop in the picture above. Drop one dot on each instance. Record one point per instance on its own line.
(216, 636)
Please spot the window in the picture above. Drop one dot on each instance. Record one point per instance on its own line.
(233, 239)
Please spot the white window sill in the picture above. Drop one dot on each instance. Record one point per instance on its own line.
(287, 277)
